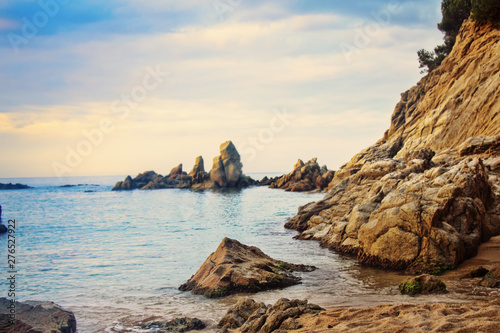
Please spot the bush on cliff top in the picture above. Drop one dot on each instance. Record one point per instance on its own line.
(486, 10)
(455, 12)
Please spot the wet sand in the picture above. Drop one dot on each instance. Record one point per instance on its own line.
(478, 313)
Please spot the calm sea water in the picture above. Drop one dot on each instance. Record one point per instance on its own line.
(116, 258)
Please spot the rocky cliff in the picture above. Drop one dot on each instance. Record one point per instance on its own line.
(428, 193)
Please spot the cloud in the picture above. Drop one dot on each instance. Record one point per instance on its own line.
(226, 78)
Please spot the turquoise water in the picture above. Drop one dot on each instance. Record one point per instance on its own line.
(115, 258)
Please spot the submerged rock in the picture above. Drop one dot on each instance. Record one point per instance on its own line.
(304, 177)
(11, 186)
(252, 317)
(492, 278)
(35, 317)
(176, 325)
(235, 267)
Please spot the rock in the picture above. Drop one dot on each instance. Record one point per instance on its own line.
(492, 278)
(218, 174)
(177, 171)
(36, 317)
(238, 315)
(232, 163)
(251, 317)
(422, 285)
(226, 173)
(476, 273)
(304, 177)
(176, 325)
(198, 173)
(235, 267)
(11, 186)
(406, 215)
(480, 145)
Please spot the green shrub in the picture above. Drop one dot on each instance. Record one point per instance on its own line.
(455, 12)
(486, 10)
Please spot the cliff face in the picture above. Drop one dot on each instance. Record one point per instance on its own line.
(457, 101)
(427, 194)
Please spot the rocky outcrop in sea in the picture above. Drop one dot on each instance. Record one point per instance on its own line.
(304, 177)
(227, 172)
(427, 194)
(235, 267)
(11, 186)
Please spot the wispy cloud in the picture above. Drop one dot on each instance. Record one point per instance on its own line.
(226, 76)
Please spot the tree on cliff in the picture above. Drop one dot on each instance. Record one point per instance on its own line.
(486, 10)
(455, 12)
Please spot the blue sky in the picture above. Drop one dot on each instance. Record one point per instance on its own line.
(231, 65)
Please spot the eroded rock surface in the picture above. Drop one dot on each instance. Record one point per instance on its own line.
(304, 177)
(235, 267)
(36, 317)
(428, 193)
(227, 172)
(251, 317)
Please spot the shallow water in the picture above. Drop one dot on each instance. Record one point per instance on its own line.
(115, 258)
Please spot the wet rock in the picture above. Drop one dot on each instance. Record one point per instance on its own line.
(422, 285)
(476, 273)
(249, 316)
(492, 278)
(176, 325)
(235, 267)
(11, 186)
(36, 317)
(304, 177)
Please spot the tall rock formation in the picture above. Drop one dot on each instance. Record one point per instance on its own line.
(227, 172)
(428, 193)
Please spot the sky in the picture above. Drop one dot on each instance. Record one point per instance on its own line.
(120, 87)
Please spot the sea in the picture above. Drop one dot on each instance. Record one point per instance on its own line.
(116, 259)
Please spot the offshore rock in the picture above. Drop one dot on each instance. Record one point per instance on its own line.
(304, 177)
(227, 172)
(235, 267)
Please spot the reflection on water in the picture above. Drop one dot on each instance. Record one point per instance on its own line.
(115, 258)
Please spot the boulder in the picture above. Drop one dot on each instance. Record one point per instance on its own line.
(304, 177)
(422, 285)
(176, 325)
(36, 317)
(492, 278)
(235, 267)
(252, 317)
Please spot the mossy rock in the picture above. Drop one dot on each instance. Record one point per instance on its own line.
(422, 285)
